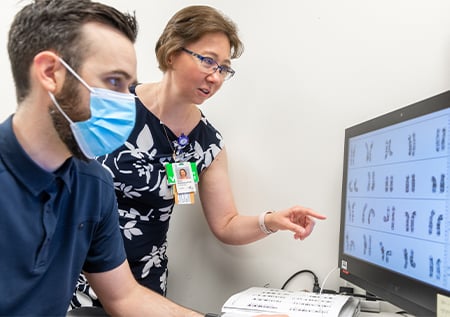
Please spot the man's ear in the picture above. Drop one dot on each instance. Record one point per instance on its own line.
(48, 71)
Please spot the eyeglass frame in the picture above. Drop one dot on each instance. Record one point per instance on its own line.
(209, 62)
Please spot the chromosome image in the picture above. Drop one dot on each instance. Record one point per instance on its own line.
(412, 165)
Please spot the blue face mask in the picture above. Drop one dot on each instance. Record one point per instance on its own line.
(113, 115)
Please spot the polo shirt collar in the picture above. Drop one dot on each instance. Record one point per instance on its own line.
(31, 175)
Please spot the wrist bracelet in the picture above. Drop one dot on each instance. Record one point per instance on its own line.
(262, 225)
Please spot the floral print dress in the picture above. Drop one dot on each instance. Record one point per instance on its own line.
(145, 200)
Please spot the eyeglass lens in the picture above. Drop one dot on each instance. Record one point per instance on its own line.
(210, 64)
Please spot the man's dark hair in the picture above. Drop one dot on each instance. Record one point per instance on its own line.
(56, 25)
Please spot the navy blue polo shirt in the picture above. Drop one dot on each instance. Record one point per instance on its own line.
(52, 225)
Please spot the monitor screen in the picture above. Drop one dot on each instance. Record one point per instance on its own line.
(395, 217)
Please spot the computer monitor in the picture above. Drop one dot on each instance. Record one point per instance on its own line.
(395, 213)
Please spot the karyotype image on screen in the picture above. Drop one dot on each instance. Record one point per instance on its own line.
(397, 198)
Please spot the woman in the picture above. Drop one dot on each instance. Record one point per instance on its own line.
(194, 53)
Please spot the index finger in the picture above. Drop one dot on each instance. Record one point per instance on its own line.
(312, 213)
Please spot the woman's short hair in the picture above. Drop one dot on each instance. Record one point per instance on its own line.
(188, 25)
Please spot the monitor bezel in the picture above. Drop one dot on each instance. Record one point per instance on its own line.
(411, 295)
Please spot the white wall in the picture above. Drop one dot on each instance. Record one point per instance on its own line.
(310, 69)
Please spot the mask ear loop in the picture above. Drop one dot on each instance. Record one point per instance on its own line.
(59, 107)
(75, 74)
(77, 77)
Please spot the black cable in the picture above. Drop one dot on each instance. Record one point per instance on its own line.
(316, 287)
(363, 296)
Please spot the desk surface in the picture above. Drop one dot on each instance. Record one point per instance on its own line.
(386, 309)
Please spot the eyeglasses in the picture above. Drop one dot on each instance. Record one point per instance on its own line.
(211, 66)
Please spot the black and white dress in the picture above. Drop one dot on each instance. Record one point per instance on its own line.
(145, 199)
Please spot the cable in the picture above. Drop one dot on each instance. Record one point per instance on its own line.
(363, 296)
(320, 289)
(316, 287)
(326, 278)
(323, 283)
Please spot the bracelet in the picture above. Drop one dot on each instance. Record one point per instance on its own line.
(262, 225)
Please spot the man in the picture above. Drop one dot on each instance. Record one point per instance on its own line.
(72, 62)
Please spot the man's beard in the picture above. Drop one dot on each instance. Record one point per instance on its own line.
(70, 102)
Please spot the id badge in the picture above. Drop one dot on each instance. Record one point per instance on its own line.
(183, 177)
